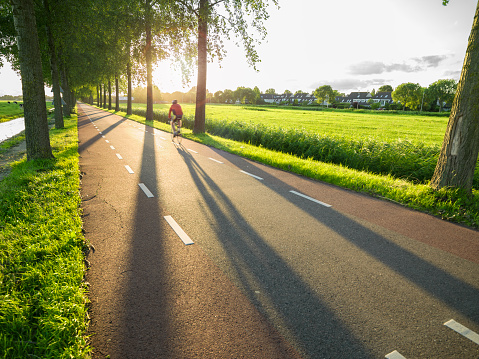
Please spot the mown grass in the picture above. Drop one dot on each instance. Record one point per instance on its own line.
(42, 295)
(450, 204)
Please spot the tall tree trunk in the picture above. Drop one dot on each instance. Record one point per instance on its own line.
(109, 94)
(99, 96)
(104, 96)
(117, 97)
(199, 126)
(128, 72)
(149, 76)
(57, 98)
(458, 157)
(66, 92)
(34, 104)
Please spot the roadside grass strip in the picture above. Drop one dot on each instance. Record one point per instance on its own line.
(43, 302)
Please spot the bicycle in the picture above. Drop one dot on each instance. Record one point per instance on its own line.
(176, 130)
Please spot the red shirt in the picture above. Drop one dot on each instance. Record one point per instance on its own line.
(176, 109)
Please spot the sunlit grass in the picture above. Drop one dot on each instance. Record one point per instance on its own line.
(10, 111)
(42, 294)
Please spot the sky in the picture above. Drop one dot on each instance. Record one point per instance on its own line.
(350, 45)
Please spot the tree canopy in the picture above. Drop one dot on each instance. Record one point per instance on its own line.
(324, 93)
(408, 94)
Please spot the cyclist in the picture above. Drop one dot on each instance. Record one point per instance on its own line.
(178, 115)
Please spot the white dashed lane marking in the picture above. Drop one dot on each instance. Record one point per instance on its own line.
(128, 168)
(146, 190)
(178, 230)
(310, 198)
(464, 331)
(252, 175)
(215, 160)
(119, 156)
(394, 355)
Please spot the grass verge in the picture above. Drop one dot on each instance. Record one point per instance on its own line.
(42, 294)
(453, 205)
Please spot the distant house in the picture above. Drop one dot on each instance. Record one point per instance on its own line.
(302, 98)
(268, 98)
(362, 98)
(383, 98)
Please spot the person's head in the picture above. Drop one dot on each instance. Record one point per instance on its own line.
(174, 102)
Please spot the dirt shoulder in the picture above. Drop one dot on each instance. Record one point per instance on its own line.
(10, 155)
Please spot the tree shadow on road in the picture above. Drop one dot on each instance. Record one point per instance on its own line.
(285, 297)
(270, 283)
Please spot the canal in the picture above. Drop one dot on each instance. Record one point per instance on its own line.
(11, 128)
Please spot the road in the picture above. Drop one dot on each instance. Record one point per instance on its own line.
(281, 266)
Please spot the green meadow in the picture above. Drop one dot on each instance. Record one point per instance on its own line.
(381, 126)
(9, 111)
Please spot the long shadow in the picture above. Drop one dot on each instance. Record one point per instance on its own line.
(315, 329)
(449, 289)
(309, 318)
(147, 314)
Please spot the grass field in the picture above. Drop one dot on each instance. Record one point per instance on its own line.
(9, 111)
(380, 126)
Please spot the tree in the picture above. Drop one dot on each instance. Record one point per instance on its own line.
(270, 91)
(35, 111)
(228, 96)
(218, 97)
(458, 157)
(409, 95)
(324, 93)
(386, 88)
(287, 92)
(54, 70)
(443, 91)
(215, 20)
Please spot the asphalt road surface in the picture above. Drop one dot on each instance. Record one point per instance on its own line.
(280, 266)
